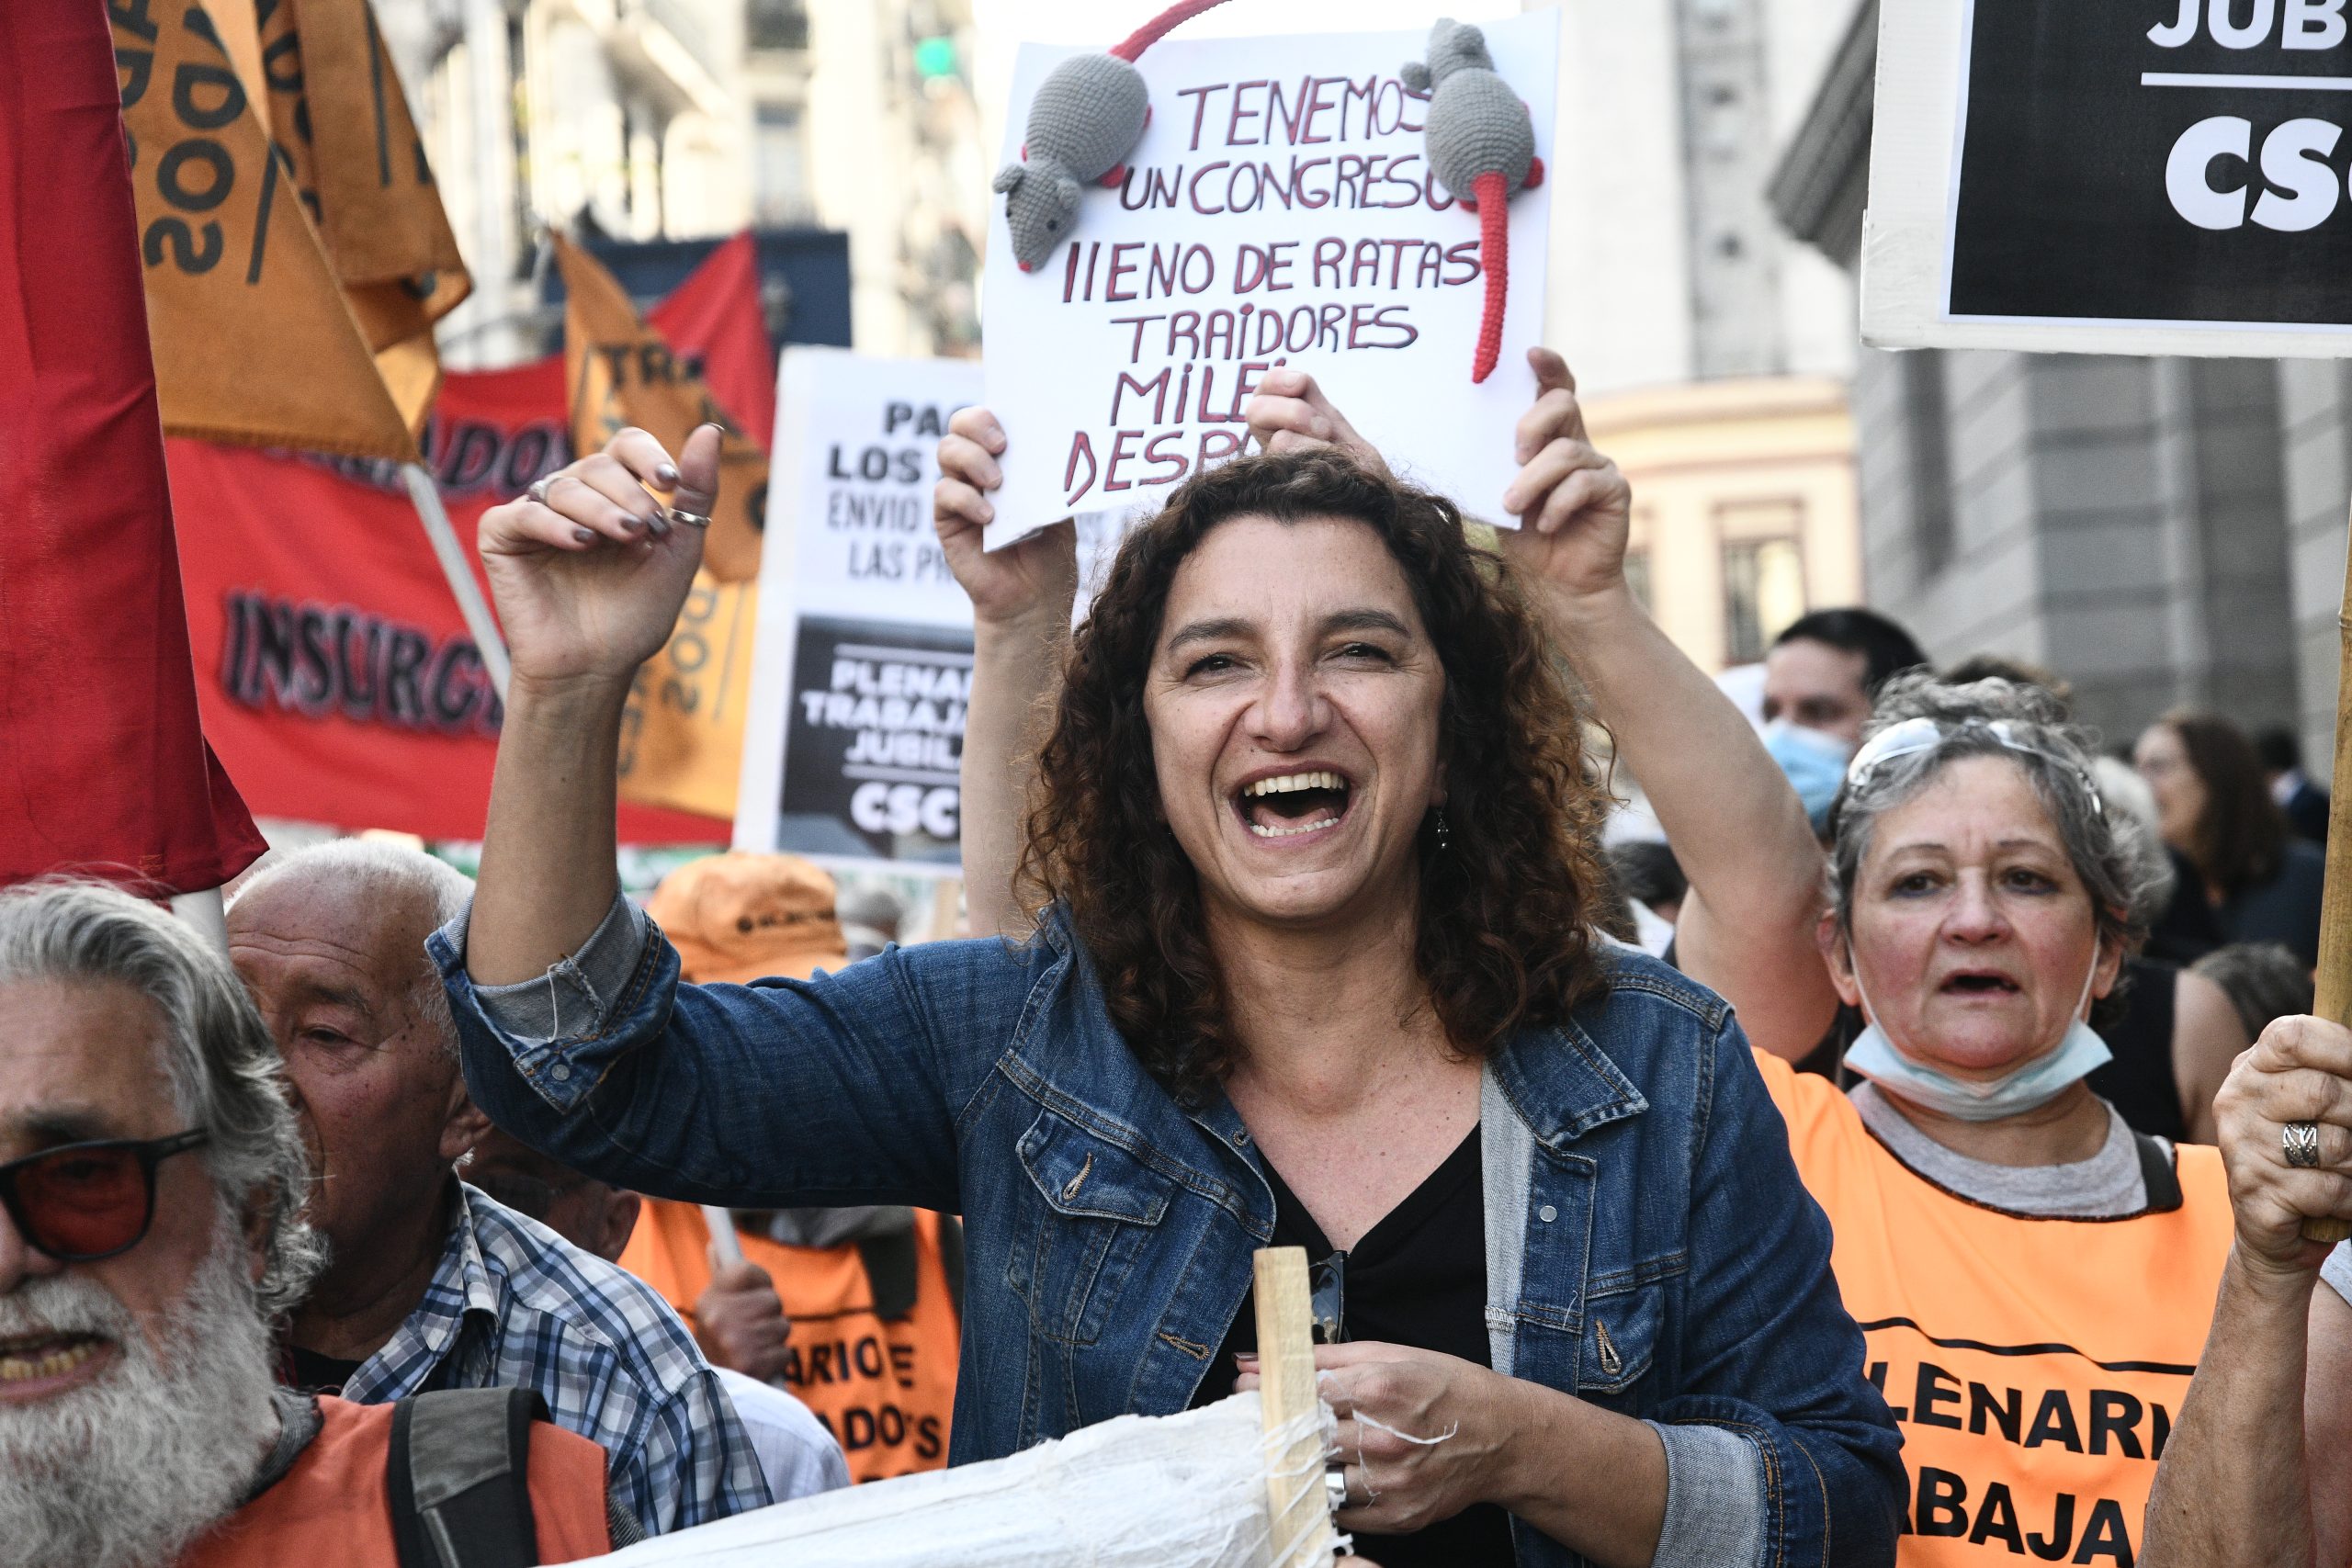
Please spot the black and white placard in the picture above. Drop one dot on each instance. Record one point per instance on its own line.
(2169, 177)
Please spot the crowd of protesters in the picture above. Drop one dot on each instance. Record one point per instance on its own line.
(1905, 1158)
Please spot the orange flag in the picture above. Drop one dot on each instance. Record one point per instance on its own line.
(682, 740)
(252, 340)
(682, 735)
(622, 372)
(334, 105)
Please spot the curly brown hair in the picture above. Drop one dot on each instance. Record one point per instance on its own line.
(1504, 938)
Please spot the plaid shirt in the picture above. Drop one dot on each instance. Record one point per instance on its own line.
(515, 1306)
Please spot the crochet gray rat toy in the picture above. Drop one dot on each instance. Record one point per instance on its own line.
(1089, 113)
(1481, 144)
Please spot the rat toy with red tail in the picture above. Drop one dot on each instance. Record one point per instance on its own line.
(1089, 113)
(1482, 150)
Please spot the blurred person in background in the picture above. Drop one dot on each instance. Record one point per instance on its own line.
(2016, 672)
(2264, 981)
(2304, 802)
(1648, 873)
(1820, 677)
(2214, 805)
(855, 1309)
(152, 1177)
(430, 1283)
(796, 1454)
(870, 917)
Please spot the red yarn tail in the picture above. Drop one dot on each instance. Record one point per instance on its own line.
(1491, 193)
(1152, 32)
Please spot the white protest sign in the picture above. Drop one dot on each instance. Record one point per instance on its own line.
(863, 654)
(1279, 209)
(2160, 178)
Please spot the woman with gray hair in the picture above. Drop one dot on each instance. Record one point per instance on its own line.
(2034, 1278)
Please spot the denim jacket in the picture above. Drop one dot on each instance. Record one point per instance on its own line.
(1667, 1263)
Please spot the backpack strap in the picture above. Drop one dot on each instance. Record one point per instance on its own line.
(2157, 1170)
(459, 1478)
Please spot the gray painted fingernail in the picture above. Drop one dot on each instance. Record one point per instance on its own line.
(667, 474)
(585, 535)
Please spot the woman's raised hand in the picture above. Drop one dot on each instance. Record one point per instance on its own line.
(2300, 1071)
(1574, 507)
(1036, 576)
(590, 572)
(1289, 413)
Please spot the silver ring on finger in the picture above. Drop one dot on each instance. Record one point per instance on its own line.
(2299, 1141)
(691, 519)
(539, 487)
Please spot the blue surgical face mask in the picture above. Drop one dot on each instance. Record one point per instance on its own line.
(1814, 762)
(2027, 1087)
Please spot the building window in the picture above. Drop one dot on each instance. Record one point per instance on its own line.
(1637, 577)
(776, 24)
(780, 165)
(1763, 592)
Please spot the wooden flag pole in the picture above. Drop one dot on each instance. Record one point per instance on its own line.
(2332, 997)
(1298, 1517)
(427, 498)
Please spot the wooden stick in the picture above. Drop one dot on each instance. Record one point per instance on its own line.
(1297, 1514)
(2333, 1000)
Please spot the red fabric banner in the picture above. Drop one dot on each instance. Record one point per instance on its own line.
(338, 680)
(103, 762)
(715, 315)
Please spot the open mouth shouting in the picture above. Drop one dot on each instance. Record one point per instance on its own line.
(1978, 983)
(1292, 805)
(37, 1364)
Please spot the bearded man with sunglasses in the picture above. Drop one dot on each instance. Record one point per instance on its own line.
(150, 1184)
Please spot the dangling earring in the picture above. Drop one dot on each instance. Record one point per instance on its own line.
(1444, 830)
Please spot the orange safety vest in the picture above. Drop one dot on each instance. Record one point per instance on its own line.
(885, 1390)
(2036, 1366)
(334, 1505)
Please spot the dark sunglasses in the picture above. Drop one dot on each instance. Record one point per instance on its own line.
(79, 1203)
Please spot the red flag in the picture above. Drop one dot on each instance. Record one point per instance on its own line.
(715, 315)
(103, 763)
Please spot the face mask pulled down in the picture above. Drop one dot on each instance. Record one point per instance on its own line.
(2027, 1087)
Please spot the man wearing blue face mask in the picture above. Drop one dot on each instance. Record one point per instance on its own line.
(1820, 678)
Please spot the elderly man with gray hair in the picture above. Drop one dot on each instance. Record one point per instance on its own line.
(152, 1177)
(429, 1283)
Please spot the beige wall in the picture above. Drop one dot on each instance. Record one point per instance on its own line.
(1717, 464)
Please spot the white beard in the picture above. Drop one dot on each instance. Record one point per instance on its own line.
(126, 1471)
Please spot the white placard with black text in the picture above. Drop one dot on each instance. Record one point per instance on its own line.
(864, 657)
(2168, 177)
(1279, 209)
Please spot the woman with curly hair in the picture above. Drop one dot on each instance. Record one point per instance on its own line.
(1316, 962)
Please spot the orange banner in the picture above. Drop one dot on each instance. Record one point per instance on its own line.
(254, 343)
(334, 107)
(682, 735)
(623, 372)
(682, 742)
